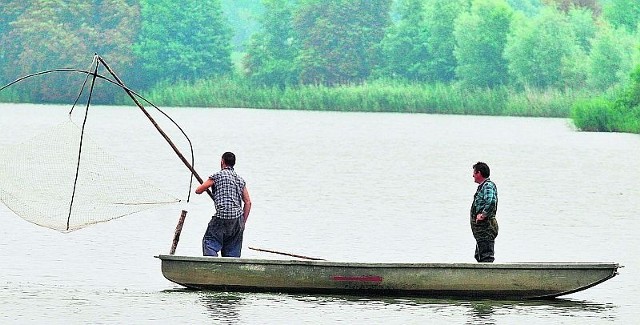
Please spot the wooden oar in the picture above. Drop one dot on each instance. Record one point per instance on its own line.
(288, 254)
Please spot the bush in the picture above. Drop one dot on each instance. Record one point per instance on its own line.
(595, 115)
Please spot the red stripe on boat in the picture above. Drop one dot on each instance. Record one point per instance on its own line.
(363, 278)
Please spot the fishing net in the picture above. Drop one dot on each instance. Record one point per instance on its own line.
(56, 181)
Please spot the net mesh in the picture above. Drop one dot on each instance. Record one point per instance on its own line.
(37, 180)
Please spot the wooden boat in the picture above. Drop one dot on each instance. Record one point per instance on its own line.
(471, 280)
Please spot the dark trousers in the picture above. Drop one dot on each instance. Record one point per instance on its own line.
(224, 236)
(484, 251)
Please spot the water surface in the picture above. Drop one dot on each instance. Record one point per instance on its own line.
(365, 187)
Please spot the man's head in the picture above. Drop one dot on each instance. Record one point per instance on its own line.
(480, 172)
(228, 159)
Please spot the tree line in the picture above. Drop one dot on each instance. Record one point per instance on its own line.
(519, 45)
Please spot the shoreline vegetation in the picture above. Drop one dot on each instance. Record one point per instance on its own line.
(377, 96)
(573, 59)
(589, 111)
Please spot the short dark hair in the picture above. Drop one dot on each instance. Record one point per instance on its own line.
(229, 158)
(482, 168)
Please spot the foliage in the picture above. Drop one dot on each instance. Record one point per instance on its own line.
(567, 5)
(628, 104)
(440, 56)
(11, 95)
(620, 114)
(339, 39)
(631, 96)
(405, 45)
(528, 7)
(539, 50)
(440, 18)
(273, 50)
(593, 114)
(605, 59)
(183, 40)
(9, 12)
(420, 46)
(481, 36)
(59, 34)
(623, 13)
(584, 26)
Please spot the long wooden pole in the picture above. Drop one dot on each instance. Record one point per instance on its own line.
(288, 254)
(164, 135)
(176, 235)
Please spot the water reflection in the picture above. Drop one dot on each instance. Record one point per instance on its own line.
(263, 308)
(477, 311)
(222, 306)
(482, 313)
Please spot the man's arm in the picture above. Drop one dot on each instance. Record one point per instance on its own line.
(204, 186)
(246, 208)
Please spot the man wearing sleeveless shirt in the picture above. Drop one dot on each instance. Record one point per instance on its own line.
(231, 198)
(484, 225)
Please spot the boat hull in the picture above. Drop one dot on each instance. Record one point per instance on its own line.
(472, 280)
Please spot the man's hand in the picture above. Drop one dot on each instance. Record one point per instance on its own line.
(480, 217)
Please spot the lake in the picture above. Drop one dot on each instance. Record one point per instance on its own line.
(362, 187)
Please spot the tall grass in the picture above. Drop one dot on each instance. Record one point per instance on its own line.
(376, 96)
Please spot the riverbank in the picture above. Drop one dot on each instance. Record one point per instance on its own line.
(587, 109)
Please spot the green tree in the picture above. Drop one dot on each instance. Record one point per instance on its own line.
(9, 12)
(540, 51)
(420, 46)
(623, 13)
(528, 7)
(607, 58)
(584, 26)
(183, 40)
(339, 39)
(631, 96)
(404, 46)
(50, 34)
(440, 18)
(271, 54)
(481, 36)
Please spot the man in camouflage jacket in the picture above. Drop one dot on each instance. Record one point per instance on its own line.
(484, 225)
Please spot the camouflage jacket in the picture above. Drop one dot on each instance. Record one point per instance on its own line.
(485, 200)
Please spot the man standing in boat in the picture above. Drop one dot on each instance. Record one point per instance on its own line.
(231, 198)
(484, 225)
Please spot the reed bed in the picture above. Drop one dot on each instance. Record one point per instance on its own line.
(376, 96)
